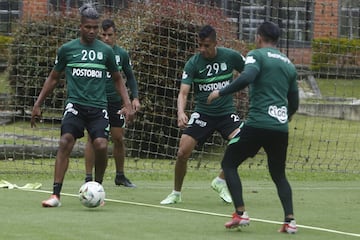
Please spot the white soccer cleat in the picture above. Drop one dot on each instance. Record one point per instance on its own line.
(289, 227)
(221, 188)
(53, 201)
(238, 221)
(172, 198)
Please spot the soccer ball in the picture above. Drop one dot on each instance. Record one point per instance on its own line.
(91, 194)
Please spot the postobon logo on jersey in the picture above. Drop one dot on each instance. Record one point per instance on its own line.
(82, 72)
(213, 86)
(278, 113)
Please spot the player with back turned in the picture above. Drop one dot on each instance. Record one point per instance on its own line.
(274, 98)
(85, 61)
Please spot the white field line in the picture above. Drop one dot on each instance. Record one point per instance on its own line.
(205, 213)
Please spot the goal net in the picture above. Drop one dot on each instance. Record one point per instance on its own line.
(321, 37)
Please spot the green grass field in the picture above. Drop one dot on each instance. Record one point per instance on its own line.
(325, 209)
(326, 190)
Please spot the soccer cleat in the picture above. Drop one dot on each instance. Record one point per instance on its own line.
(53, 201)
(238, 221)
(88, 179)
(221, 188)
(289, 227)
(122, 180)
(172, 198)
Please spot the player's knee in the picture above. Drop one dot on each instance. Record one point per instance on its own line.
(100, 144)
(182, 155)
(66, 141)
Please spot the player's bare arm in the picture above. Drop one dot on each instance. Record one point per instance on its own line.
(48, 88)
(181, 105)
(127, 109)
(213, 95)
(136, 104)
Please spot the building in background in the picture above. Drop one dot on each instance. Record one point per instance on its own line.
(301, 20)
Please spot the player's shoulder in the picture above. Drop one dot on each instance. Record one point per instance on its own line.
(71, 43)
(228, 51)
(119, 50)
(101, 45)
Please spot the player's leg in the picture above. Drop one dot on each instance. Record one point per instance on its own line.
(97, 126)
(89, 160)
(241, 147)
(117, 137)
(118, 124)
(186, 146)
(100, 153)
(72, 127)
(276, 150)
(228, 126)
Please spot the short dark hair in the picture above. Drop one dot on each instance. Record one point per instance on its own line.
(87, 10)
(269, 31)
(207, 32)
(108, 23)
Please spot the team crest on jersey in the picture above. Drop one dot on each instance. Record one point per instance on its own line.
(117, 58)
(250, 59)
(223, 66)
(184, 75)
(99, 55)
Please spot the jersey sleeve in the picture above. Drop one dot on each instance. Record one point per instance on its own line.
(130, 77)
(293, 96)
(60, 61)
(240, 60)
(111, 63)
(188, 73)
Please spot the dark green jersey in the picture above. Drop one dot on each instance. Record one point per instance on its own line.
(269, 91)
(123, 60)
(85, 71)
(207, 75)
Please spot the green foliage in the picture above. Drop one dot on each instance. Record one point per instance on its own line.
(335, 52)
(5, 42)
(32, 55)
(164, 39)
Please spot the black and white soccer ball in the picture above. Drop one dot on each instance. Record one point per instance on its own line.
(91, 194)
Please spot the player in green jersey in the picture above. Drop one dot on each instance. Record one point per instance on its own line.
(212, 68)
(274, 98)
(85, 61)
(117, 121)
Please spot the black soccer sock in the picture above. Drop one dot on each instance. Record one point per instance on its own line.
(240, 213)
(57, 189)
(288, 220)
(119, 173)
(88, 177)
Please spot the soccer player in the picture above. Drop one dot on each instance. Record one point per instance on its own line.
(212, 68)
(274, 98)
(85, 61)
(117, 121)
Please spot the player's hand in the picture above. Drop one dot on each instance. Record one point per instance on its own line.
(213, 95)
(136, 104)
(35, 115)
(182, 120)
(128, 112)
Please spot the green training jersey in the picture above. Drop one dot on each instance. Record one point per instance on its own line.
(123, 60)
(207, 75)
(85, 71)
(269, 91)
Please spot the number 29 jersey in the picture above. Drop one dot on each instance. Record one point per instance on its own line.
(207, 75)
